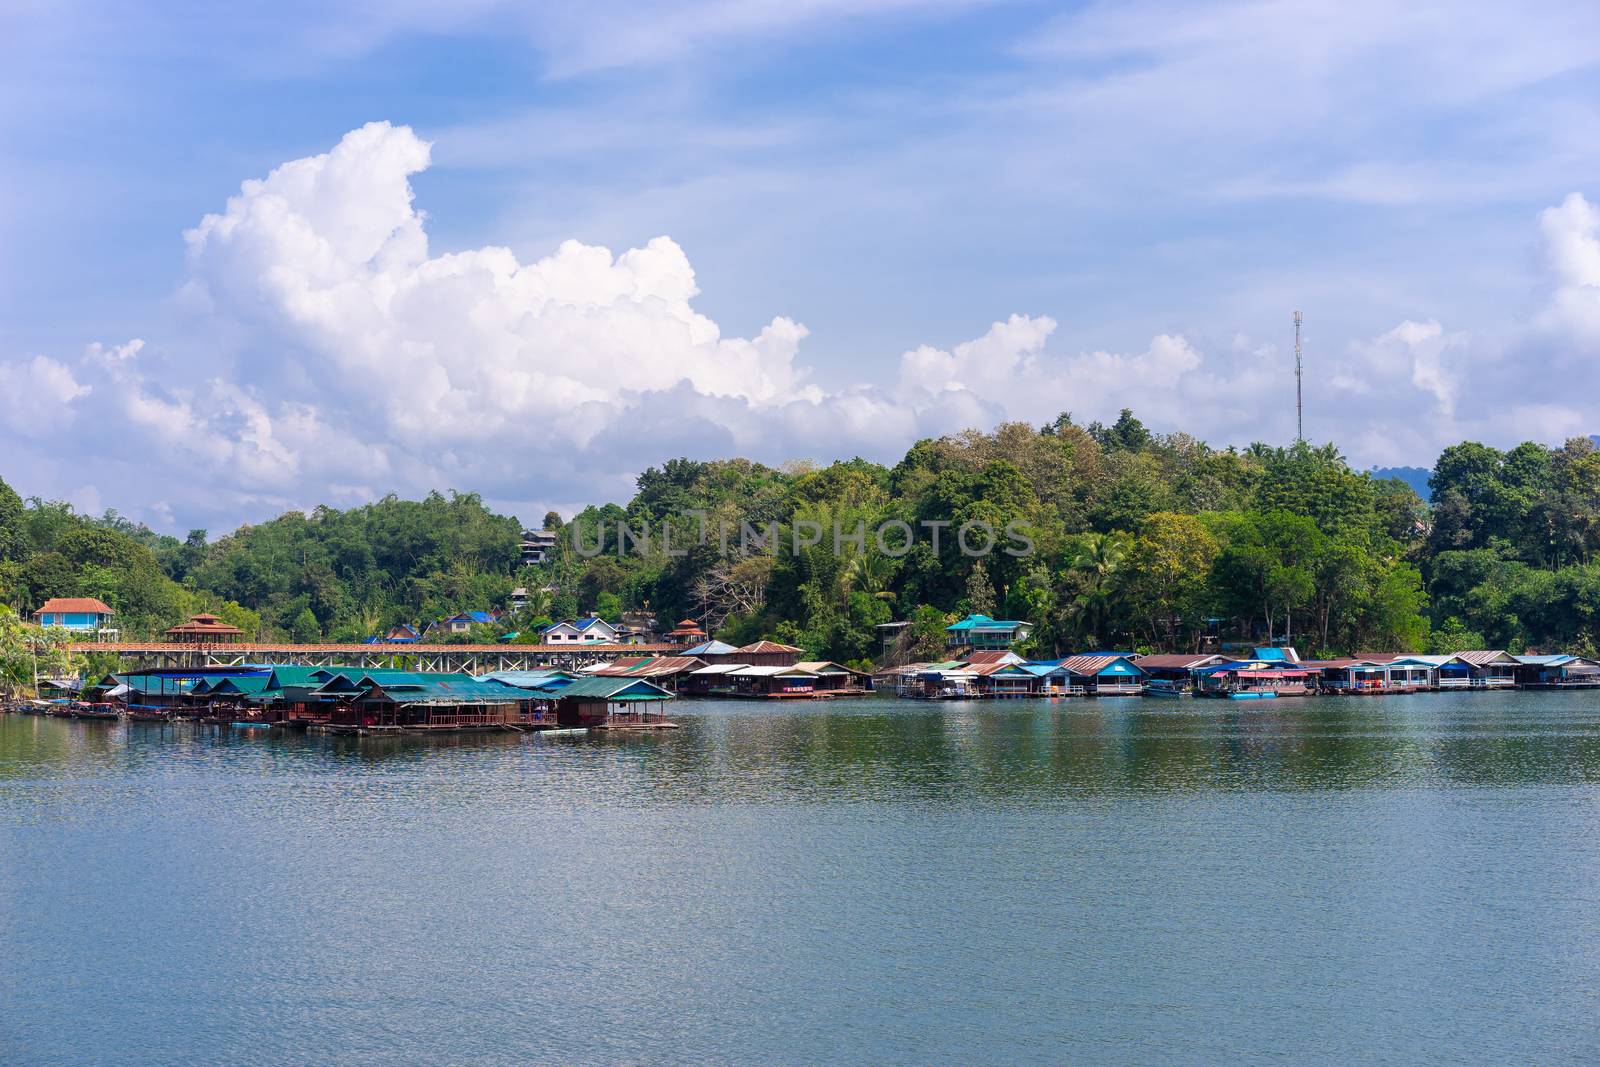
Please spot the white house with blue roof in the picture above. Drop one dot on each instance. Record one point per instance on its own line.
(589, 630)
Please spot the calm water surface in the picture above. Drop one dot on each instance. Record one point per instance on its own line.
(1394, 880)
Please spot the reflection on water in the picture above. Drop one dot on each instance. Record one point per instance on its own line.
(895, 751)
(1398, 879)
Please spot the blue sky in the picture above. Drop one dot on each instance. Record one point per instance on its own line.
(882, 219)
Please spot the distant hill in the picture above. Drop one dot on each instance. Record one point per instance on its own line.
(1415, 477)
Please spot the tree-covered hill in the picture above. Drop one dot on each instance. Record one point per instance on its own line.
(1135, 538)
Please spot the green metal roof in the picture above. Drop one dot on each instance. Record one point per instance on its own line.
(445, 689)
(306, 677)
(614, 689)
(254, 683)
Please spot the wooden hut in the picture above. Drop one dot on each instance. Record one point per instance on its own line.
(835, 679)
(773, 682)
(431, 702)
(613, 703)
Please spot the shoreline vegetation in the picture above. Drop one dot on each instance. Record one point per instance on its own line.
(1140, 541)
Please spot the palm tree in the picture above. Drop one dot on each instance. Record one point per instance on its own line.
(1098, 565)
(868, 573)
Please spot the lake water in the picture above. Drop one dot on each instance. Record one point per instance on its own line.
(1387, 880)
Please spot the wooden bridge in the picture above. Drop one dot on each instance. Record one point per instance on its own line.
(476, 659)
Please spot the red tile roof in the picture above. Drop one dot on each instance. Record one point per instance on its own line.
(75, 604)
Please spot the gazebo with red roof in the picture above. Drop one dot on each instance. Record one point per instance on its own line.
(205, 629)
(687, 632)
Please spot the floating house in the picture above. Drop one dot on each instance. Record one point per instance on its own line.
(1103, 674)
(1255, 679)
(835, 679)
(1003, 679)
(78, 614)
(1174, 675)
(774, 681)
(1557, 672)
(538, 692)
(953, 680)
(179, 689)
(612, 704)
(982, 632)
(1365, 677)
(714, 679)
(426, 702)
(1490, 669)
(897, 679)
(237, 698)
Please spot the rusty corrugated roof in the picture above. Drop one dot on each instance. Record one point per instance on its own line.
(1483, 658)
(767, 647)
(1177, 663)
(1088, 664)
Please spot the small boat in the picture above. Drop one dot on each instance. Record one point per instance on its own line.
(1165, 688)
(137, 713)
(96, 712)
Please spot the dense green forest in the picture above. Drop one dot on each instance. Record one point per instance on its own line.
(1138, 539)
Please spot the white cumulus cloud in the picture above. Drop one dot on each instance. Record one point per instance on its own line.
(331, 355)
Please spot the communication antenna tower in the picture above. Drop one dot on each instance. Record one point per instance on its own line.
(1299, 405)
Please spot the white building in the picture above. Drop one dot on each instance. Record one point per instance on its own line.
(586, 631)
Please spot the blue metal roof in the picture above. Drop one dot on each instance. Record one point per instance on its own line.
(710, 648)
(983, 622)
